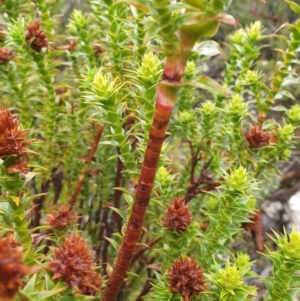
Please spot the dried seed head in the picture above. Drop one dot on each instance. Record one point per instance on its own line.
(5, 55)
(256, 138)
(178, 216)
(12, 139)
(186, 278)
(12, 270)
(62, 218)
(35, 37)
(73, 263)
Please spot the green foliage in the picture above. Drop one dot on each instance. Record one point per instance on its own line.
(89, 96)
(229, 281)
(284, 285)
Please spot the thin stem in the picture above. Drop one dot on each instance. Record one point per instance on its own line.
(142, 250)
(147, 285)
(102, 229)
(195, 159)
(86, 163)
(57, 176)
(38, 202)
(117, 192)
(205, 177)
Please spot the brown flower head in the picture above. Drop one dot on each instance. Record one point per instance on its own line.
(73, 263)
(12, 270)
(178, 216)
(186, 278)
(12, 139)
(5, 55)
(35, 37)
(256, 138)
(62, 218)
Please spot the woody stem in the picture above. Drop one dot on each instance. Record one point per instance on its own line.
(165, 101)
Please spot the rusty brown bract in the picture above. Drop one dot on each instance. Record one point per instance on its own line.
(186, 278)
(12, 270)
(73, 263)
(256, 138)
(178, 216)
(35, 37)
(62, 218)
(12, 138)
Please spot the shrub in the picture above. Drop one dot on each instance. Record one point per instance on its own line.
(142, 170)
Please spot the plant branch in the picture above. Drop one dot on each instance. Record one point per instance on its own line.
(86, 163)
(165, 100)
(195, 159)
(117, 192)
(205, 178)
(38, 203)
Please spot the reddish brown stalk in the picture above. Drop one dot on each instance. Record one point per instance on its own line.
(256, 228)
(259, 232)
(166, 96)
(86, 163)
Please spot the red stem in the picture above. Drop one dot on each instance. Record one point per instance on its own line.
(165, 101)
(142, 196)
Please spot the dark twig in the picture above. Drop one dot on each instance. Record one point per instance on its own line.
(147, 285)
(118, 193)
(118, 179)
(101, 237)
(195, 159)
(88, 160)
(57, 176)
(205, 178)
(38, 202)
(139, 252)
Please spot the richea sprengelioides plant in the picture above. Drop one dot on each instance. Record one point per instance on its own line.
(126, 172)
